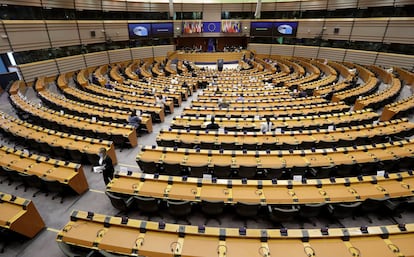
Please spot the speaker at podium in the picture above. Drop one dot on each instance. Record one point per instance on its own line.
(220, 64)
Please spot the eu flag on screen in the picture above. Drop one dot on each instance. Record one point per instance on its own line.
(212, 27)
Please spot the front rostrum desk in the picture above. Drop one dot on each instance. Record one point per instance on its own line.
(264, 192)
(66, 173)
(19, 215)
(132, 237)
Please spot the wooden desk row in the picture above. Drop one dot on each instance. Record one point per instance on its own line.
(55, 139)
(120, 133)
(157, 112)
(263, 192)
(260, 103)
(397, 108)
(61, 103)
(146, 238)
(132, 89)
(136, 99)
(312, 109)
(365, 116)
(67, 173)
(379, 99)
(371, 84)
(278, 140)
(177, 92)
(336, 88)
(20, 215)
(276, 159)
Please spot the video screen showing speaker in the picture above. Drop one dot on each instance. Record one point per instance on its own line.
(286, 29)
(139, 30)
(220, 63)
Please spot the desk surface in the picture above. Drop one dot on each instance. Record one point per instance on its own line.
(146, 238)
(263, 192)
(19, 215)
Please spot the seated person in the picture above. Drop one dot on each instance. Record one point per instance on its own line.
(266, 126)
(134, 120)
(108, 85)
(212, 125)
(160, 100)
(240, 98)
(302, 94)
(222, 103)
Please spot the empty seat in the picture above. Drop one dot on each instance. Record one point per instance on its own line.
(212, 209)
(179, 210)
(282, 213)
(247, 211)
(222, 171)
(247, 171)
(147, 205)
(119, 202)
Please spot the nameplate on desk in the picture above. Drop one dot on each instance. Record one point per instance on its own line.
(123, 169)
(331, 128)
(381, 173)
(278, 130)
(25, 151)
(297, 178)
(207, 177)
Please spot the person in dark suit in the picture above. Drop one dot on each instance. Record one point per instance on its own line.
(212, 125)
(108, 168)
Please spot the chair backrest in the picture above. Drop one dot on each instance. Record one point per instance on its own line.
(146, 204)
(212, 207)
(117, 201)
(311, 210)
(247, 209)
(247, 171)
(285, 213)
(179, 208)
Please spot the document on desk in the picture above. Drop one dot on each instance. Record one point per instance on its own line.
(98, 169)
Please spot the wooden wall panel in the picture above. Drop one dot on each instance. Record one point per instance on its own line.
(403, 2)
(142, 52)
(288, 6)
(138, 7)
(4, 41)
(371, 3)
(63, 33)
(116, 30)
(23, 2)
(342, 4)
(306, 51)
(360, 57)
(44, 68)
(286, 50)
(159, 7)
(85, 28)
(260, 48)
(309, 28)
(27, 35)
(120, 55)
(334, 54)
(112, 5)
(369, 30)
(162, 51)
(344, 26)
(96, 59)
(400, 60)
(71, 63)
(232, 7)
(195, 7)
(314, 5)
(212, 12)
(88, 5)
(58, 4)
(267, 7)
(400, 30)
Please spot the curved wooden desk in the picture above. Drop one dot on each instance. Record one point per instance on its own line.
(273, 140)
(277, 160)
(67, 173)
(84, 145)
(391, 110)
(20, 215)
(365, 116)
(147, 238)
(102, 129)
(263, 192)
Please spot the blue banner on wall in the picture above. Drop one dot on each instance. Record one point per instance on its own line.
(212, 27)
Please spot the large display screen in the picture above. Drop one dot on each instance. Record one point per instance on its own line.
(269, 29)
(285, 28)
(139, 30)
(264, 29)
(165, 29)
(230, 27)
